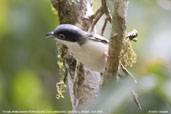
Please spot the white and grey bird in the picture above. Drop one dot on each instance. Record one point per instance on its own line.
(90, 49)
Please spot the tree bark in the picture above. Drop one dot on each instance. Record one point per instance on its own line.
(116, 40)
(84, 84)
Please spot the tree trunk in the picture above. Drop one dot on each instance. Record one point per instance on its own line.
(84, 84)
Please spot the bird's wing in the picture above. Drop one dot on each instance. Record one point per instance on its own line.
(98, 38)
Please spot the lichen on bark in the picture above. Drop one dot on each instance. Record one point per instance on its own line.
(127, 55)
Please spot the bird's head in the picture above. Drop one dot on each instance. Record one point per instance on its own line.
(67, 33)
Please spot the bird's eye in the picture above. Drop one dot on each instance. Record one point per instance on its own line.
(61, 36)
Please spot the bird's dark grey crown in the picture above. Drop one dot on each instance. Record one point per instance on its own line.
(69, 32)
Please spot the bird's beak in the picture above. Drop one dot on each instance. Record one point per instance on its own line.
(50, 35)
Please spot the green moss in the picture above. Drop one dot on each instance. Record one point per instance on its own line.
(128, 56)
(54, 10)
(62, 72)
(60, 86)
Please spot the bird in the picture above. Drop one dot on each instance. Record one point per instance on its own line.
(89, 48)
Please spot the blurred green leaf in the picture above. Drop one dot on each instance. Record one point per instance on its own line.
(113, 96)
(158, 68)
(26, 88)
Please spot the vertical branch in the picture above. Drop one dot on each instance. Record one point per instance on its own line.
(117, 36)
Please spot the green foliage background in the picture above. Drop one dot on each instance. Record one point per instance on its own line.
(28, 69)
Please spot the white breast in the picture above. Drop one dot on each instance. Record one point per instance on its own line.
(90, 54)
